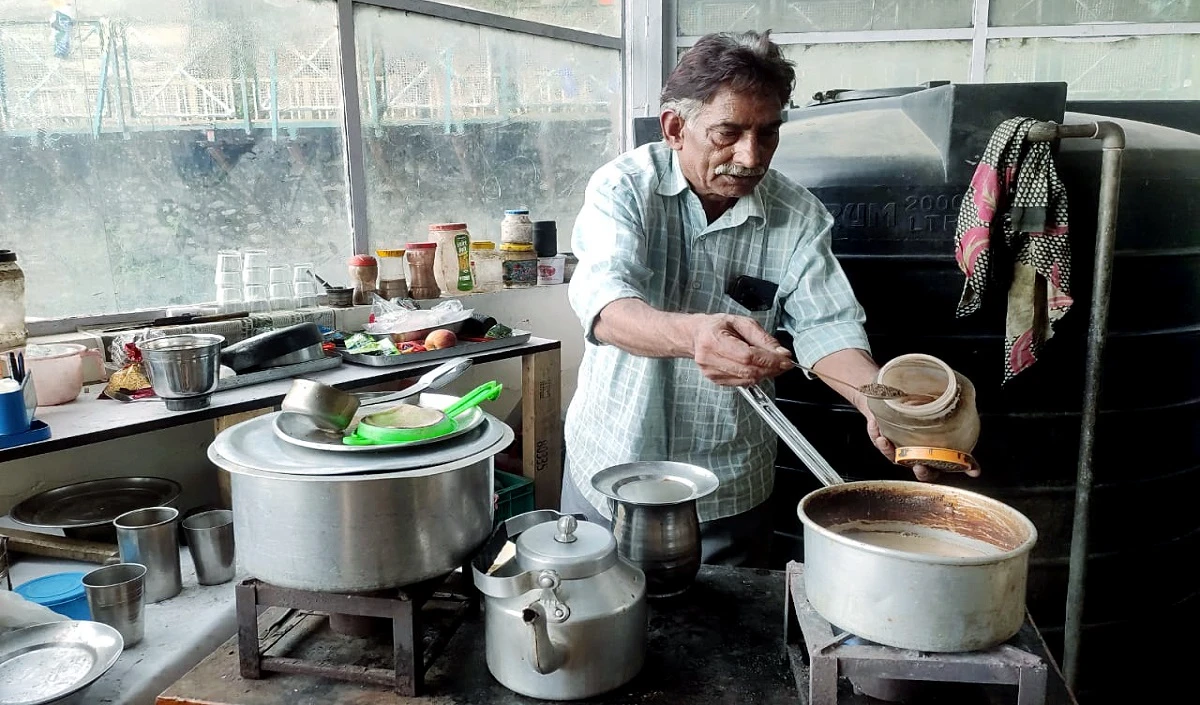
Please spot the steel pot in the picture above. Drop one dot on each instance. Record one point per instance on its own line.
(368, 529)
(915, 565)
(566, 618)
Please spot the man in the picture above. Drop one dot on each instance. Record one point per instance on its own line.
(664, 232)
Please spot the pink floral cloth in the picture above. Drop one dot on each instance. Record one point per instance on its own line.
(1012, 233)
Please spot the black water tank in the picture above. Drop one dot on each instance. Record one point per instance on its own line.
(893, 171)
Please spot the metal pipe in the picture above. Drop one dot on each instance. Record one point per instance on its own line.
(1112, 139)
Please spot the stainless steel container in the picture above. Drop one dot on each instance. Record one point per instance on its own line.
(916, 565)
(374, 527)
(150, 537)
(116, 597)
(210, 543)
(183, 369)
(655, 522)
(566, 618)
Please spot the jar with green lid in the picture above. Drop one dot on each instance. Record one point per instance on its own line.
(519, 265)
(487, 266)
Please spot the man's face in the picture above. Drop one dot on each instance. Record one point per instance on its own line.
(725, 150)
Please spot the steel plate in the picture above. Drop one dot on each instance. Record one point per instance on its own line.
(48, 662)
(655, 483)
(297, 429)
(94, 503)
(253, 445)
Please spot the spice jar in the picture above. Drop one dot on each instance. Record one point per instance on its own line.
(421, 257)
(519, 266)
(364, 272)
(392, 282)
(516, 228)
(12, 302)
(487, 266)
(452, 268)
(941, 432)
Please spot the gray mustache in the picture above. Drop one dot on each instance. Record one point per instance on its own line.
(740, 171)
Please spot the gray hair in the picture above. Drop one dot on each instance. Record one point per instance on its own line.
(746, 62)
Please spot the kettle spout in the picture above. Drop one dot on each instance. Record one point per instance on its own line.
(545, 656)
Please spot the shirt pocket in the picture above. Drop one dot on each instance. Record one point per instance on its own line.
(768, 319)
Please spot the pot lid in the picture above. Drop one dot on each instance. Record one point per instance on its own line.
(655, 483)
(252, 447)
(580, 546)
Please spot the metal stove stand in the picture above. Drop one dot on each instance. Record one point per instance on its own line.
(403, 607)
(829, 657)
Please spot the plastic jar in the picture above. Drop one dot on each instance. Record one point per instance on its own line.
(58, 371)
(364, 274)
(393, 283)
(12, 302)
(519, 265)
(421, 257)
(516, 228)
(452, 268)
(487, 266)
(949, 422)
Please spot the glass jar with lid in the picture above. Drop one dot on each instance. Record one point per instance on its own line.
(487, 266)
(12, 302)
(421, 257)
(393, 283)
(519, 266)
(516, 228)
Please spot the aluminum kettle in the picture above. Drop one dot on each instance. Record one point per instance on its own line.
(566, 617)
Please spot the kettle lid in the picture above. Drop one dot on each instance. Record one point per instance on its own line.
(584, 547)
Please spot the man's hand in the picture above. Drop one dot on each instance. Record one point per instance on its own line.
(735, 351)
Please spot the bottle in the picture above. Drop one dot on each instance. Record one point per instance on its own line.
(453, 268)
(545, 238)
(364, 273)
(12, 302)
(520, 265)
(487, 266)
(516, 228)
(421, 256)
(940, 433)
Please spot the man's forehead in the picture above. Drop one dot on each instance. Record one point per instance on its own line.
(741, 109)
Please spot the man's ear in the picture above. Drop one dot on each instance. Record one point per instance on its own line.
(672, 128)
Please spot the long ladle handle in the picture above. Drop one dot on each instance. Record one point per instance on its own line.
(816, 463)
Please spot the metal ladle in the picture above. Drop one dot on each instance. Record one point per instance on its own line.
(873, 390)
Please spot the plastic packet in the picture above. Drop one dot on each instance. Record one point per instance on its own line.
(403, 317)
(364, 344)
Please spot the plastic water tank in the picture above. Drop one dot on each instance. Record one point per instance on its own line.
(893, 171)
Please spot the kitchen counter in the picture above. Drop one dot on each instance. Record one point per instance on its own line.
(179, 632)
(721, 642)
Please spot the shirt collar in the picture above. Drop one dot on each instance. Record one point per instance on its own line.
(673, 183)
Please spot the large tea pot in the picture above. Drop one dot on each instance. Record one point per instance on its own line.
(566, 618)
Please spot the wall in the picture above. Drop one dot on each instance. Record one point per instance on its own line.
(179, 453)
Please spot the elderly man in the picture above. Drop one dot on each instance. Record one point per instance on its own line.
(691, 252)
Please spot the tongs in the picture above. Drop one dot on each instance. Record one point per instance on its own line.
(761, 402)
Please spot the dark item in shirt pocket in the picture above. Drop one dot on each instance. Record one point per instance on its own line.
(753, 293)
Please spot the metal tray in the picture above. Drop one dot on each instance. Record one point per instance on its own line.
(49, 662)
(518, 337)
(86, 509)
(274, 373)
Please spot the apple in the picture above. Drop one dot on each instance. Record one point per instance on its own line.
(441, 338)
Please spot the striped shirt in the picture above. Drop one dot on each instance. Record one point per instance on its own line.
(642, 233)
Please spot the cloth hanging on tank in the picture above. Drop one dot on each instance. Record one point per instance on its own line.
(1012, 232)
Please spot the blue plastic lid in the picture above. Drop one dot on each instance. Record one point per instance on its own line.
(517, 211)
(51, 590)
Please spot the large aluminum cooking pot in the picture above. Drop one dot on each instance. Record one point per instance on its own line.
(379, 520)
(916, 565)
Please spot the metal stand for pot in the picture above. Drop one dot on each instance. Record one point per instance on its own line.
(403, 608)
(825, 655)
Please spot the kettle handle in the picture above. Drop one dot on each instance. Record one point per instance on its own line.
(512, 586)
